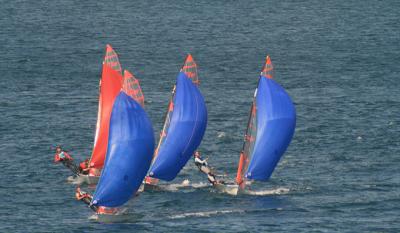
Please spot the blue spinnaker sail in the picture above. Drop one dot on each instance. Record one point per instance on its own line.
(185, 131)
(129, 153)
(276, 121)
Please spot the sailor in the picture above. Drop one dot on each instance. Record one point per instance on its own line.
(63, 157)
(201, 163)
(84, 167)
(203, 167)
(83, 196)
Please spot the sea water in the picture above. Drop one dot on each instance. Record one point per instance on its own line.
(338, 60)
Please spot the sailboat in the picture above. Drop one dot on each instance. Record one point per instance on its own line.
(110, 85)
(184, 126)
(129, 153)
(270, 129)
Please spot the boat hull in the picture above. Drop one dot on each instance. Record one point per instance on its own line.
(83, 179)
(231, 189)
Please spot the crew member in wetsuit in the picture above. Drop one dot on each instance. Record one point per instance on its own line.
(83, 196)
(203, 167)
(87, 199)
(201, 163)
(84, 167)
(63, 157)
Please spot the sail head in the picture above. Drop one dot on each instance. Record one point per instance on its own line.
(190, 69)
(132, 87)
(268, 68)
(112, 60)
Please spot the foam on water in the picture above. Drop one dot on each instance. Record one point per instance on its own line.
(77, 180)
(277, 191)
(221, 134)
(338, 60)
(122, 216)
(185, 184)
(204, 214)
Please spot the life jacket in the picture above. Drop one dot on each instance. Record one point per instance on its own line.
(57, 158)
(62, 156)
(85, 164)
(106, 210)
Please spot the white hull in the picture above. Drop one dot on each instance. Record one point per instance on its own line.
(121, 216)
(83, 179)
(231, 189)
(234, 190)
(150, 187)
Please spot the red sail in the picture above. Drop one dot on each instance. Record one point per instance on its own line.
(190, 69)
(111, 83)
(111, 59)
(132, 88)
(268, 68)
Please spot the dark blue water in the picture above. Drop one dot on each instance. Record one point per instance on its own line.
(338, 60)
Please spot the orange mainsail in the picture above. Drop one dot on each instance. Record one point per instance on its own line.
(110, 86)
(111, 59)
